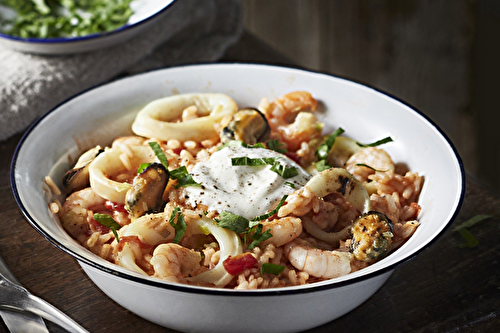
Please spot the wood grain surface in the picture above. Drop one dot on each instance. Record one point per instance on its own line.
(445, 289)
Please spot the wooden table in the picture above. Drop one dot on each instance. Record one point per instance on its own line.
(446, 289)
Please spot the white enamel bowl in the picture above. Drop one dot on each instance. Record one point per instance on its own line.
(146, 12)
(99, 115)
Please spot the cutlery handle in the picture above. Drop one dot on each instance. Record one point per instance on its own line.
(44, 309)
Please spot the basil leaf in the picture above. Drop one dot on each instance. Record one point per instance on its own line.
(233, 222)
(376, 143)
(322, 165)
(159, 153)
(472, 221)
(142, 167)
(109, 222)
(259, 236)
(180, 226)
(284, 171)
(271, 269)
(275, 145)
(183, 177)
(292, 185)
(470, 240)
(271, 213)
(369, 167)
(248, 161)
(325, 147)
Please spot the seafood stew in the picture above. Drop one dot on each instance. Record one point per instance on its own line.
(208, 193)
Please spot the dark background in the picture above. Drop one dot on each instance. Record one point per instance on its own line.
(440, 56)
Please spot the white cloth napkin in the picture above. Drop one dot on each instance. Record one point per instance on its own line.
(192, 31)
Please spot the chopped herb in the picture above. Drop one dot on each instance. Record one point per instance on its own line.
(276, 166)
(233, 222)
(183, 177)
(472, 221)
(369, 167)
(322, 165)
(275, 145)
(180, 226)
(284, 171)
(292, 185)
(248, 161)
(376, 143)
(259, 236)
(142, 167)
(271, 269)
(64, 18)
(271, 213)
(324, 148)
(159, 153)
(470, 240)
(109, 222)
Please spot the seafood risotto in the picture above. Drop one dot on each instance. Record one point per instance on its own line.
(209, 194)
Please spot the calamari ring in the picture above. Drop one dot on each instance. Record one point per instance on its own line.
(109, 163)
(158, 119)
(330, 181)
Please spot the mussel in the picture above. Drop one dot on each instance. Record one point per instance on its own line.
(372, 235)
(78, 177)
(146, 193)
(248, 125)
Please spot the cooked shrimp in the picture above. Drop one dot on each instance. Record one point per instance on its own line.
(285, 117)
(284, 230)
(77, 210)
(316, 262)
(173, 262)
(368, 161)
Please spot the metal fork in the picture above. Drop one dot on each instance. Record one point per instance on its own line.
(14, 297)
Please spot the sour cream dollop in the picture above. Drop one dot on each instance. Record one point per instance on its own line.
(248, 191)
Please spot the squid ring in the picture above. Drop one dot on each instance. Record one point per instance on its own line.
(109, 163)
(158, 119)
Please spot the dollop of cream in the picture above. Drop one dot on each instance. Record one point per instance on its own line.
(248, 191)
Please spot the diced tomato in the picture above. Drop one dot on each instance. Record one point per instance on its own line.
(177, 151)
(113, 206)
(237, 264)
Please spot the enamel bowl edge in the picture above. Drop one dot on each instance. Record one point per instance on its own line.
(366, 114)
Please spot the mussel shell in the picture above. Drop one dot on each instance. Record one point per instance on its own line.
(146, 193)
(372, 234)
(248, 125)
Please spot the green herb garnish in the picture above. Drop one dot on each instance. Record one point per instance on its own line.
(470, 240)
(324, 149)
(271, 269)
(180, 226)
(159, 153)
(233, 222)
(276, 166)
(109, 222)
(142, 167)
(259, 236)
(376, 143)
(271, 213)
(276, 146)
(183, 177)
(64, 18)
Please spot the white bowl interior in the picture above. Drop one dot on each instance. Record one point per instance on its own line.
(101, 114)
